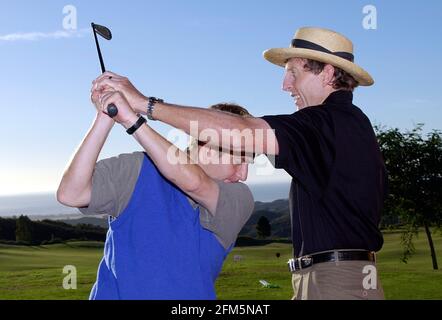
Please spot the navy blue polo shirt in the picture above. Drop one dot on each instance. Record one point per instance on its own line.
(339, 177)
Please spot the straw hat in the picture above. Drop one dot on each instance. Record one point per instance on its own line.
(321, 45)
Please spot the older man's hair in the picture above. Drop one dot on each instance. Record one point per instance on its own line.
(341, 80)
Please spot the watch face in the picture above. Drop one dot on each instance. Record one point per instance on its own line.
(155, 100)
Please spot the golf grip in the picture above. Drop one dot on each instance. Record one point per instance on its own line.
(112, 110)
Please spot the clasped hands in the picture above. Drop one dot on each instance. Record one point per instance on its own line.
(111, 88)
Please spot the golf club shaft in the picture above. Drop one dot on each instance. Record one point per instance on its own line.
(103, 69)
(112, 109)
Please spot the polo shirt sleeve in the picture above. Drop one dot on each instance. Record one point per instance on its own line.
(234, 208)
(113, 183)
(306, 145)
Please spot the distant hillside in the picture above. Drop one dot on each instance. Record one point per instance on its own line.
(23, 230)
(100, 222)
(277, 212)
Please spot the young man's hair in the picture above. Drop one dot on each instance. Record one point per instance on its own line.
(342, 80)
(232, 108)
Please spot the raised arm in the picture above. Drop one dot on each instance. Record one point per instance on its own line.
(76, 185)
(170, 161)
(253, 135)
(262, 139)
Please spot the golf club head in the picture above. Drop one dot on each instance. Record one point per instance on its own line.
(102, 31)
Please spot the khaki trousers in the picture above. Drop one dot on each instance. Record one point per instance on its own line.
(344, 280)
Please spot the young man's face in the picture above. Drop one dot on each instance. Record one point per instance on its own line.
(306, 87)
(222, 166)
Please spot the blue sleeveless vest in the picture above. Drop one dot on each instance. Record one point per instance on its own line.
(157, 248)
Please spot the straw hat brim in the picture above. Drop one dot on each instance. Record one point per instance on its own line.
(280, 56)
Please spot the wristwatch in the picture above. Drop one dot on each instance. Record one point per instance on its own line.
(151, 105)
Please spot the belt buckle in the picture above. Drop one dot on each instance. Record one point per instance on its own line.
(300, 263)
(305, 262)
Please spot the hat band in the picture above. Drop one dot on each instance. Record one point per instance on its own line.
(304, 44)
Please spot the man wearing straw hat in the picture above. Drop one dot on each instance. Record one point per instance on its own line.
(329, 148)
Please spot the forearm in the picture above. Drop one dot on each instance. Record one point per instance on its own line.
(196, 120)
(181, 117)
(76, 184)
(234, 132)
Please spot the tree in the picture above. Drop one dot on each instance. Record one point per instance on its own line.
(23, 231)
(263, 227)
(414, 166)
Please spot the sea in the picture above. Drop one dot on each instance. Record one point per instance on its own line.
(45, 204)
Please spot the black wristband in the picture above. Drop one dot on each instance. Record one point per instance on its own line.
(137, 125)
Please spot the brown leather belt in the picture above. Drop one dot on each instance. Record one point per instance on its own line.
(330, 256)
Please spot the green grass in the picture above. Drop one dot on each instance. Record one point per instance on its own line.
(416, 279)
(36, 272)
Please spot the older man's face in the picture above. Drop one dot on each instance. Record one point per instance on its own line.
(306, 87)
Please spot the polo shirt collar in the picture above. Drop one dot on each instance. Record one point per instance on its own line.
(340, 97)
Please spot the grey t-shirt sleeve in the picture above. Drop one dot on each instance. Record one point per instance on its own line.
(113, 183)
(234, 208)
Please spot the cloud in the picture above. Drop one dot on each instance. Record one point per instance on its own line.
(37, 36)
(421, 101)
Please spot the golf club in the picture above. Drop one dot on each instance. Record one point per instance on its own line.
(106, 34)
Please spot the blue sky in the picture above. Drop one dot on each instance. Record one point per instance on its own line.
(194, 53)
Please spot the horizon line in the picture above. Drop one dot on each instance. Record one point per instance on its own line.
(47, 192)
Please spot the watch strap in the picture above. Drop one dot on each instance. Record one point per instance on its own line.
(141, 120)
(150, 107)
